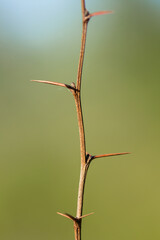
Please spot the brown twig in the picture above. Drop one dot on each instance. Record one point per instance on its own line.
(83, 7)
(84, 164)
(81, 58)
(86, 158)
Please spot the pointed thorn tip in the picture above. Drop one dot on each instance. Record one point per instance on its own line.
(67, 216)
(86, 215)
(100, 13)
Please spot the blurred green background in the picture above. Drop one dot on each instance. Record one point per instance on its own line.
(39, 141)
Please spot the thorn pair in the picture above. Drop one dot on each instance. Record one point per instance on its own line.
(74, 219)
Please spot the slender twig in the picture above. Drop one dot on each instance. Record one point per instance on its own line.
(81, 58)
(84, 164)
(83, 7)
(86, 158)
(81, 127)
(77, 96)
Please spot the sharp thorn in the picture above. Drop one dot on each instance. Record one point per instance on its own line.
(86, 215)
(67, 216)
(55, 83)
(110, 155)
(97, 14)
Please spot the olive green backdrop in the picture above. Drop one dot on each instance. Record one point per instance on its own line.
(39, 141)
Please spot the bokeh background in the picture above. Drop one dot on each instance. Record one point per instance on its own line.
(39, 141)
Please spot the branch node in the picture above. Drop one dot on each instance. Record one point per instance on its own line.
(89, 158)
(86, 13)
(74, 89)
(86, 16)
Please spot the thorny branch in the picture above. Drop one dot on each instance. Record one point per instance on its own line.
(86, 158)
